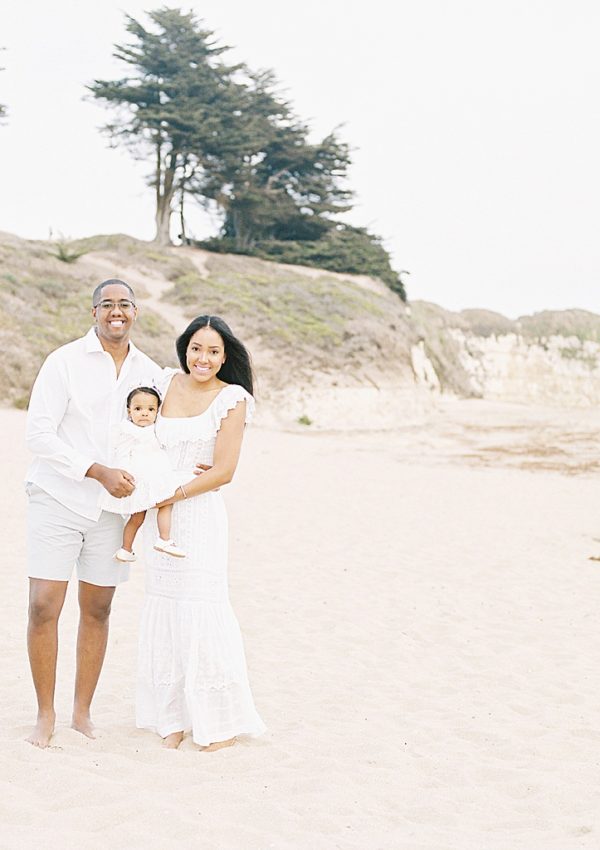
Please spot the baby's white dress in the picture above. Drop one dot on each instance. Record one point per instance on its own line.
(191, 665)
(137, 450)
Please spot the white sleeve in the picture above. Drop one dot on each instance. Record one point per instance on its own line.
(228, 398)
(47, 408)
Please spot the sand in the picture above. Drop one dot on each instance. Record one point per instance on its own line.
(421, 624)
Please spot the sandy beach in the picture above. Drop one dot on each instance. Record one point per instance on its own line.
(422, 631)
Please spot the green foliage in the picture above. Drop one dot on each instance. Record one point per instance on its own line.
(304, 420)
(66, 253)
(170, 106)
(220, 133)
(294, 311)
(578, 323)
(487, 323)
(289, 310)
(223, 135)
(278, 185)
(344, 249)
(581, 324)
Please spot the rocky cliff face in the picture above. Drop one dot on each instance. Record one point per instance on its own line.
(474, 354)
(529, 360)
(561, 370)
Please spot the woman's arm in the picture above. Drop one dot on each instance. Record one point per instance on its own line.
(227, 452)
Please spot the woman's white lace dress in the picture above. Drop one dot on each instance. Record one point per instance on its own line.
(192, 669)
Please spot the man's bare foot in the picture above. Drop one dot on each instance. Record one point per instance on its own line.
(82, 723)
(218, 745)
(172, 741)
(40, 737)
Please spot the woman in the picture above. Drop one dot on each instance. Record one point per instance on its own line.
(192, 670)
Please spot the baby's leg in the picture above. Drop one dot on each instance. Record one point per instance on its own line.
(163, 519)
(132, 526)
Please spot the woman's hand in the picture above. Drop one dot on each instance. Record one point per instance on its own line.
(177, 496)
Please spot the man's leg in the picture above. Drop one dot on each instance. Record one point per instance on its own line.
(94, 612)
(46, 600)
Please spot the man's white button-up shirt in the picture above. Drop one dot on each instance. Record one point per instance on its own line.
(75, 400)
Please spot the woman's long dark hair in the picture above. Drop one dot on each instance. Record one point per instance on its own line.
(237, 368)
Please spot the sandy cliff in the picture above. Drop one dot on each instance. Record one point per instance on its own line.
(331, 351)
(549, 358)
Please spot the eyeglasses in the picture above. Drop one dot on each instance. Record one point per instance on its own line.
(124, 306)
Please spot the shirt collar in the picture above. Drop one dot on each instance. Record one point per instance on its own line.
(92, 343)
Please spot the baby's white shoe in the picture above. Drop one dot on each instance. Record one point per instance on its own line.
(124, 555)
(169, 548)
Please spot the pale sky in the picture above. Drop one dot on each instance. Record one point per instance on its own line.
(475, 124)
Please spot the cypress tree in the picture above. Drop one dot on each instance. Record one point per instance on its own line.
(169, 106)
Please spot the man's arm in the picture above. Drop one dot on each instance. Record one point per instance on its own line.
(47, 408)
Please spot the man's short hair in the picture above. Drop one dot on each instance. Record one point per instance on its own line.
(97, 293)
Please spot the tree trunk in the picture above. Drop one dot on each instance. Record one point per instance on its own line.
(241, 230)
(164, 198)
(182, 190)
(163, 219)
(182, 233)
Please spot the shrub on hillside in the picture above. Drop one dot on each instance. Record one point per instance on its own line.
(344, 249)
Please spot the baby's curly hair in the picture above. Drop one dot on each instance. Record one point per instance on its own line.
(149, 390)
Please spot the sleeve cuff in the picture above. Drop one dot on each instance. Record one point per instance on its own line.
(80, 467)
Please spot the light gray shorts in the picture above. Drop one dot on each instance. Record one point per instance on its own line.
(58, 538)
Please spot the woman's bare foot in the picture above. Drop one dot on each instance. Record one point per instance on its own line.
(172, 741)
(82, 723)
(218, 745)
(40, 737)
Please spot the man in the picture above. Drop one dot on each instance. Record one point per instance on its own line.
(79, 393)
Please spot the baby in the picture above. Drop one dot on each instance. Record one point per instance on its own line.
(136, 449)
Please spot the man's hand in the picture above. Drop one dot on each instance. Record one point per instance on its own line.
(203, 467)
(118, 482)
(200, 468)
